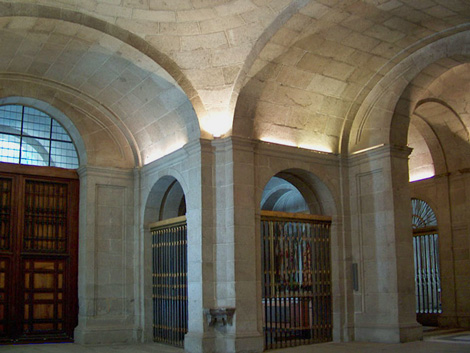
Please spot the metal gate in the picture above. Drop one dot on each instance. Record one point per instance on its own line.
(170, 291)
(426, 258)
(297, 298)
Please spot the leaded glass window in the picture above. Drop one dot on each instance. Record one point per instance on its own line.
(30, 136)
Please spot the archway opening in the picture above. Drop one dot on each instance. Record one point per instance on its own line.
(296, 265)
(426, 259)
(38, 227)
(169, 264)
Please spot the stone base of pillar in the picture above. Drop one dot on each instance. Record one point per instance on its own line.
(226, 343)
(106, 334)
(389, 334)
(247, 343)
(199, 343)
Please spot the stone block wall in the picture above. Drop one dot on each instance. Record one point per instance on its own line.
(106, 257)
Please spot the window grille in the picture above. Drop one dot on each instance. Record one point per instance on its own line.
(30, 136)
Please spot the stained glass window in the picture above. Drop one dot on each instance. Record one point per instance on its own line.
(30, 136)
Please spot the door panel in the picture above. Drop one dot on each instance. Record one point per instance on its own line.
(5, 213)
(45, 217)
(44, 297)
(4, 288)
(38, 257)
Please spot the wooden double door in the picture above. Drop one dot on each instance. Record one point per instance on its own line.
(38, 253)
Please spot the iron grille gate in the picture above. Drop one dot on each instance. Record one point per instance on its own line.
(427, 274)
(426, 258)
(297, 298)
(170, 294)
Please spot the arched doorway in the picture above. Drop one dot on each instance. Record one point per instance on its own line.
(426, 259)
(296, 266)
(169, 266)
(38, 227)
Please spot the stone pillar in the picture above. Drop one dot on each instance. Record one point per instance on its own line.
(106, 260)
(455, 258)
(198, 172)
(236, 246)
(382, 246)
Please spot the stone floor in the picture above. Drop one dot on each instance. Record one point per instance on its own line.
(437, 342)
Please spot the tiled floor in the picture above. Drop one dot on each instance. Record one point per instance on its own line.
(441, 342)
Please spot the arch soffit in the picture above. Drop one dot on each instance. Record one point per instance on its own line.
(450, 132)
(41, 11)
(314, 189)
(433, 143)
(159, 184)
(376, 118)
(70, 107)
(244, 76)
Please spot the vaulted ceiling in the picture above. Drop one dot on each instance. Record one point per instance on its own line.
(147, 76)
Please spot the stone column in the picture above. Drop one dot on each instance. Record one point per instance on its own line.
(235, 247)
(455, 258)
(198, 171)
(105, 265)
(382, 246)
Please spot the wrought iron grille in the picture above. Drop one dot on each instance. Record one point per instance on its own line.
(170, 291)
(297, 299)
(426, 259)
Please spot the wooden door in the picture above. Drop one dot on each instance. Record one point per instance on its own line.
(38, 253)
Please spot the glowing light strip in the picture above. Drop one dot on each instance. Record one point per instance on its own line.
(290, 143)
(421, 176)
(369, 148)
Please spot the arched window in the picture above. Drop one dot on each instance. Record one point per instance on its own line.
(426, 258)
(30, 136)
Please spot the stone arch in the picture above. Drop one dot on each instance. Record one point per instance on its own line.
(243, 77)
(100, 136)
(164, 201)
(444, 132)
(426, 154)
(278, 228)
(383, 116)
(281, 195)
(315, 191)
(36, 10)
